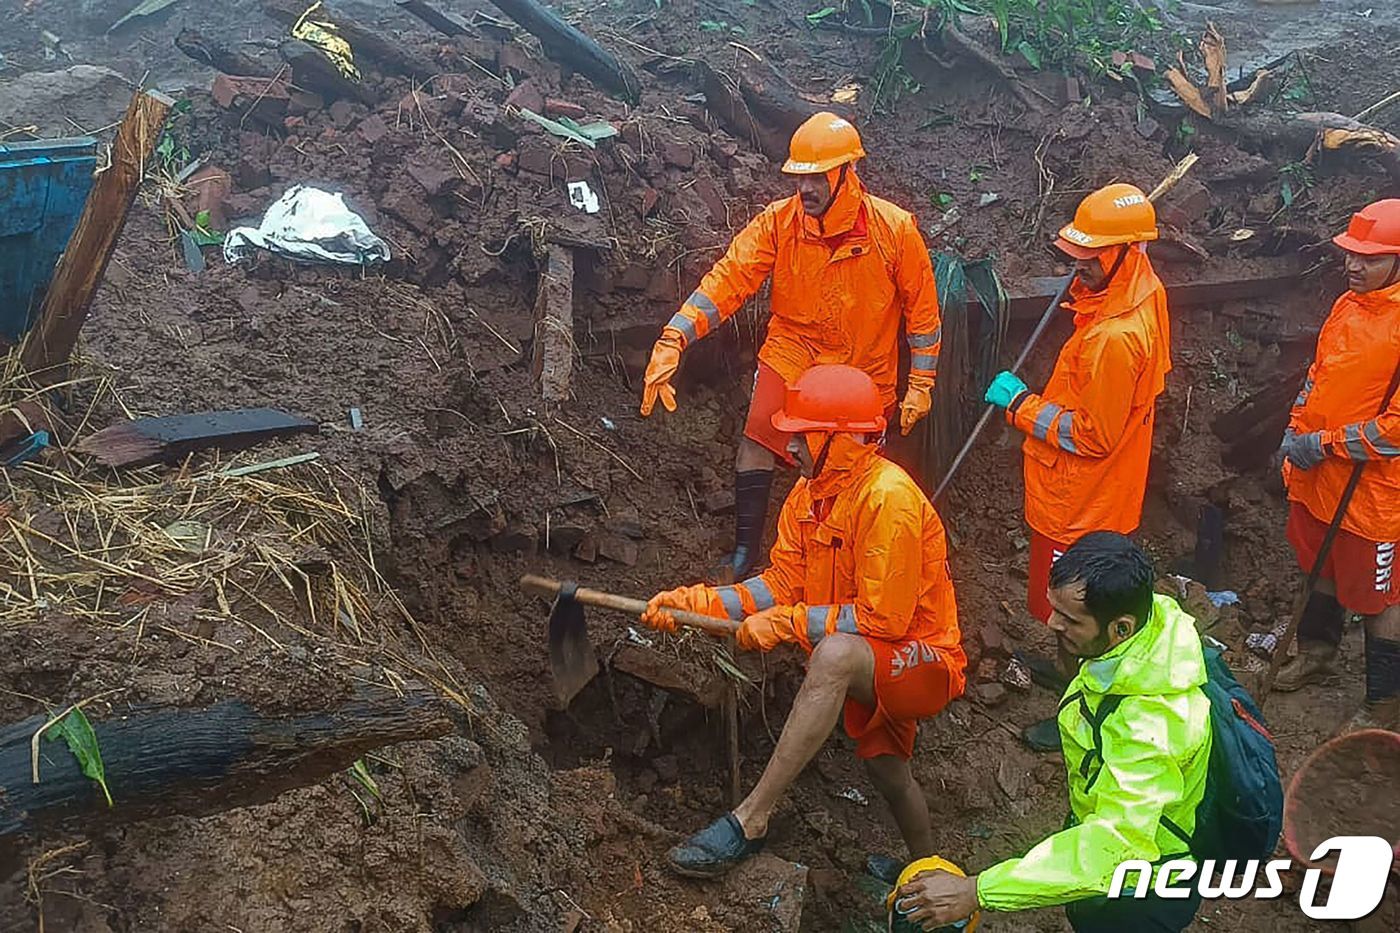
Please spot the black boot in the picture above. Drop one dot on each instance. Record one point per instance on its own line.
(751, 488)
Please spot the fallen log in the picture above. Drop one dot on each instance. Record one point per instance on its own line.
(165, 761)
(568, 45)
(1253, 429)
(449, 24)
(364, 41)
(1029, 304)
(756, 103)
(84, 262)
(206, 51)
(312, 71)
(1303, 134)
(145, 441)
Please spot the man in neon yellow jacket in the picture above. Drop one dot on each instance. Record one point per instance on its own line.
(1136, 735)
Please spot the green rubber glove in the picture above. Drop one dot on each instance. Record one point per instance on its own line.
(1005, 389)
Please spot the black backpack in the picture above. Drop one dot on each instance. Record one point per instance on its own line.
(1241, 815)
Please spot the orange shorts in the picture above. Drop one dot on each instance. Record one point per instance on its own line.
(1361, 570)
(912, 682)
(769, 391)
(1044, 553)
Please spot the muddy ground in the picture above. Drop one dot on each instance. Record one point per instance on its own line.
(533, 818)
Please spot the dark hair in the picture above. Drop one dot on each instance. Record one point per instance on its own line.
(1117, 576)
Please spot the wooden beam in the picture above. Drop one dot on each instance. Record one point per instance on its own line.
(164, 761)
(84, 262)
(1029, 303)
(552, 352)
(570, 46)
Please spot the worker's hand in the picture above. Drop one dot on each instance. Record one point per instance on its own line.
(1304, 451)
(698, 598)
(1005, 389)
(937, 898)
(766, 630)
(665, 359)
(914, 408)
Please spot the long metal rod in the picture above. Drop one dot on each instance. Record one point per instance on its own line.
(987, 413)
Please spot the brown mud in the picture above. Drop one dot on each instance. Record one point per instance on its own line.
(534, 818)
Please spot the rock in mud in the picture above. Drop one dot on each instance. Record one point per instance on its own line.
(89, 95)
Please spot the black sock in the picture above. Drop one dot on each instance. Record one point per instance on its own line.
(1382, 668)
(1323, 618)
(751, 489)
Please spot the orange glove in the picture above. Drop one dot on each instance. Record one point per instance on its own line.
(698, 598)
(665, 358)
(766, 630)
(918, 399)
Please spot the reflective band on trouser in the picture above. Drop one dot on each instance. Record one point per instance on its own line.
(733, 604)
(924, 341)
(818, 617)
(924, 362)
(1372, 432)
(1043, 419)
(762, 595)
(1065, 437)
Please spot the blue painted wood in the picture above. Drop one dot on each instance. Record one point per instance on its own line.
(43, 187)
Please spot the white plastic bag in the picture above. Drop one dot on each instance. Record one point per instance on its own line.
(309, 224)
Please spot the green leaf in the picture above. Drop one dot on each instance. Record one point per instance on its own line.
(710, 25)
(82, 742)
(1030, 53)
(820, 15)
(360, 772)
(1286, 192)
(145, 8)
(964, 8)
(941, 199)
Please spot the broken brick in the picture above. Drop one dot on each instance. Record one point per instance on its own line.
(678, 154)
(990, 694)
(263, 99)
(434, 179)
(342, 113)
(650, 197)
(1142, 62)
(526, 96)
(373, 128)
(538, 161)
(720, 502)
(619, 549)
(212, 186)
(724, 151)
(714, 201)
(564, 539)
(587, 550)
(993, 639)
(555, 107)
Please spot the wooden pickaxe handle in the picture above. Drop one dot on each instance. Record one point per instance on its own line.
(722, 628)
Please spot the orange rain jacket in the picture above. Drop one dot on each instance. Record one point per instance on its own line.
(1357, 353)
(840, 305)
(875, 563)
(1090, 432)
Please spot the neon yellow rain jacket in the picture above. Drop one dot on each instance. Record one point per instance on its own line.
(1156, 749)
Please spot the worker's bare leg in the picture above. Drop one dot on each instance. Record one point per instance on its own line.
(842, 665)
(894, 779)
(753, 456)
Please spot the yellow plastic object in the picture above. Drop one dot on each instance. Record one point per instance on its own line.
(912, 871)
(324, 36)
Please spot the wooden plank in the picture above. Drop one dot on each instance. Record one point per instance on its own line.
(165, 440)
(84, 262)
(552, 354)
(564, 43)
(163, 761)
(1029, 303)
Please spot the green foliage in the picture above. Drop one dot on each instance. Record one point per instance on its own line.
(1064, 33)
(712, 25)
(76, 731)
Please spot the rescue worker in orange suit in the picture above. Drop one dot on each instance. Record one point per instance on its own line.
(859, 580)
(1089, 433)
(1347, 414)
(847, 268)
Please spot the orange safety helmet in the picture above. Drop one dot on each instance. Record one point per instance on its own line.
(831, 397)
(1374, 230)
(822, 143)
(1110, 216)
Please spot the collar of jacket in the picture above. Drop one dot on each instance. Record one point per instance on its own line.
(846, 461)
(840, 217)
(1380, 300)
(1135, 282)
(1165, 657)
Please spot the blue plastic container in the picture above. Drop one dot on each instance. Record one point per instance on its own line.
(43, 187)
